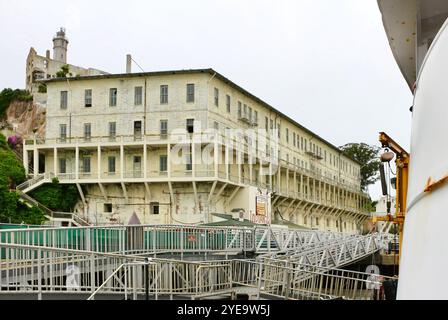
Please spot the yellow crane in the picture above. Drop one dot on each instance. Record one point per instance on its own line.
(401, 185)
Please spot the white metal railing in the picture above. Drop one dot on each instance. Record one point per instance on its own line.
(205, 138)
(307, 282)
(43, 269)
(333, 253)
(304, 246)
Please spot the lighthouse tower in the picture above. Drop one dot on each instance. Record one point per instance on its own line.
(60, 44)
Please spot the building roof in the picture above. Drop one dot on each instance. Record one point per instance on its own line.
(215, 74)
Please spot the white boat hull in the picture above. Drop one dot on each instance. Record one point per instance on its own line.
(424, 259)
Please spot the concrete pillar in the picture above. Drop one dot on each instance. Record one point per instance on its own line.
(226, 150)
(35, 161)
(168, 159)
(99, 162)
(193, 159)
(25, 159)
(121, 161)
(76, 162)
(145, 161)
(216, 157)
(55, 161)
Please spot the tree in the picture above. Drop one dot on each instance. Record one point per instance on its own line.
(368, 157)
(11, 174)
(62, 73)
(57, 197)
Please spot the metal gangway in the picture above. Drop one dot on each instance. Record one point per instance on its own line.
(128, 262)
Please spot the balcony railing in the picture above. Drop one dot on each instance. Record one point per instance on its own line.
(240, 144)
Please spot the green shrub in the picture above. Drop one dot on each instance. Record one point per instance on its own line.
(57, 197)
(11, 174)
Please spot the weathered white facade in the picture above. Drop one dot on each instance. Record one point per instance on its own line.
(116, 137)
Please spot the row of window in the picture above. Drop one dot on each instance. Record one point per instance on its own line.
(112, 129)
(154, 207)
(245, 113)
(138, 96)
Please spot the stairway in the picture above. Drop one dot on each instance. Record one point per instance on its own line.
(35, 182)
(69, 218)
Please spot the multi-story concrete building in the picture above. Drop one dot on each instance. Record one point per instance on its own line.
(44, 67)
(178, 146)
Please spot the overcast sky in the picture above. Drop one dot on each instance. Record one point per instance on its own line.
(325, 63)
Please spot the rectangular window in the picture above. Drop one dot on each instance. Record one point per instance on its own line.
(113, 97)
(64, 96)
(239, 109)
(137, 130)
(86, 165)
(228, 103)
(245, 111)
(216, 97)
(294, 139)
(163, 163)
(111, 164)
(190, 92)
(164, 128)
(216, 125)
(188, 161)
(163, 94)
(250, 114)
(107, 208)
(279, 130)
(138, 96)
(87, 131)
(62, 165)
(287, 135)
(266, 123)
(63, 132)
(190, 125)
(154, 207)
(88, 98)
(112, 131)
(255, 117)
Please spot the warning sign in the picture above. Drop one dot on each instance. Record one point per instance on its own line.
(261, 215)
(260, 205)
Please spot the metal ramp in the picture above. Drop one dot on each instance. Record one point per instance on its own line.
(124, 261)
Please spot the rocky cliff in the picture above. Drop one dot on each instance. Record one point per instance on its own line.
(25, 119)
